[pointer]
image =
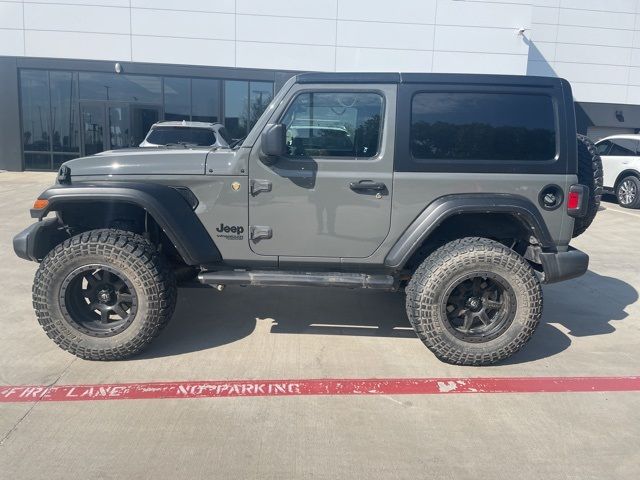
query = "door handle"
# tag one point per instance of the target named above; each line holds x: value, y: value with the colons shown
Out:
x: 367, y: 186
x: 258, y: 186
x: 259, y: 232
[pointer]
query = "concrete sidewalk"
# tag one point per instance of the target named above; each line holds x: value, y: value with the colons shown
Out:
x: 590, y: 328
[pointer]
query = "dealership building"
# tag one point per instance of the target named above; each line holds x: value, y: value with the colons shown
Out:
x: 81, y: 76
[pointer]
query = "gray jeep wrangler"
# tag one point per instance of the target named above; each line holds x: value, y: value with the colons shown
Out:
x: 461, y: 191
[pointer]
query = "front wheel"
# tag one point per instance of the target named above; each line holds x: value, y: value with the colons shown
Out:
x: 104, y: 294
x: 474, y: 302
x: 628, y: 192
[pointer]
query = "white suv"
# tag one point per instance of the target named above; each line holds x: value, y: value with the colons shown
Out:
x: 621, y: 168
x: 196, y: 134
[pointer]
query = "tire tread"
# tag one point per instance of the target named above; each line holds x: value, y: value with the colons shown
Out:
x: 589, y: 174
x: 422, y: 308
x: 158, y: 284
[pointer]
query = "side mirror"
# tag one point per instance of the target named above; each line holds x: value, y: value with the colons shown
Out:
x: 273, y: 141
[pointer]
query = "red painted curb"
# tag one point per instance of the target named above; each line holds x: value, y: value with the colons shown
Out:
x: 268, y: 388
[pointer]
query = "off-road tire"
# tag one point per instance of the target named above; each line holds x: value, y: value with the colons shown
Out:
x: 589, y: 174
x: 428, y: 286
x: 635, y: 203
x: 130, y: 253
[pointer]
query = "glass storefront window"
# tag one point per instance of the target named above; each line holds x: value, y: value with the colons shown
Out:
x: 244, y: 102
x: 68, y: 114
x: 59, y: 159
x: 34, y: 88
x: 125, y: 88
x: 260, y: 95
x: 37, y: 161
x: 177, y: 98
x: 205, y: 100
x: 64, y: 112
x: 236, y: 108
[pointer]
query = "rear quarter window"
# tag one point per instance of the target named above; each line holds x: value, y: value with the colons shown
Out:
x: 623, y: 147
x: 482, y: 126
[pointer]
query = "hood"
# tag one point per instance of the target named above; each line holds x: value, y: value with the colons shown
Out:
x: 150, y: 161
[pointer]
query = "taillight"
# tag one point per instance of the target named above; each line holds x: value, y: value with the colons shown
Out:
x: 573, y: 201
x: 577, y: 200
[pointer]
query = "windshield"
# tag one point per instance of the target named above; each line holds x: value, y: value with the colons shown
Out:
x: 202, y: 137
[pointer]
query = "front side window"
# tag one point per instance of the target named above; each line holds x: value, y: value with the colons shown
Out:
x: 622, y: 147
x: 334, y: 124
x: 482, y: 126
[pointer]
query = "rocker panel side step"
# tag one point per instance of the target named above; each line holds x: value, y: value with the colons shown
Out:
x: 299, y: 279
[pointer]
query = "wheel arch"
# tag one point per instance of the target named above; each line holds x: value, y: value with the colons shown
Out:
x: 439, y: 222
x: 629, y: 172
x: 168, y: 208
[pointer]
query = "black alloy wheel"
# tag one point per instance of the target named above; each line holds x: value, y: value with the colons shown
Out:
x: 98, y: 300
x: 480, y: 306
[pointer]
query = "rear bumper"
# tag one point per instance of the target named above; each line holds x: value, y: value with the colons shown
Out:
x: 564, y: 265
x: 35, y: 241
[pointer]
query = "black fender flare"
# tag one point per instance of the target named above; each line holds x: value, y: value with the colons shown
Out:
x: 165, y: 204
x: 449, y: 205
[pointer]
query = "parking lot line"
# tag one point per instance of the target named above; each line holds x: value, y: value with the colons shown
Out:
x: 617, y: 209
x: 331, y: 387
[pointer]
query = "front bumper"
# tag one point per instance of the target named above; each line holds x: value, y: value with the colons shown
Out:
x: 564, y: 265
x: 35, y: 241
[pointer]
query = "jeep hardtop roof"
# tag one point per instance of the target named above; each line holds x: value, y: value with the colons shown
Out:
x: 393, y: 77
x: 561, y: 87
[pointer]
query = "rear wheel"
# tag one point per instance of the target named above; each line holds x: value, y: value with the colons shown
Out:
x: 474, y: 302
x: 104, y: 294
x: 628, y: 192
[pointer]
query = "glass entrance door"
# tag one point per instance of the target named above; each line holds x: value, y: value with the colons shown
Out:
x: 111, y: 126
x: 142, y: 117
x: 93, y: 122
x: 119, y: 127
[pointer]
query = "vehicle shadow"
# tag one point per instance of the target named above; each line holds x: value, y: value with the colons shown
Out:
x: 203, y: 319
x: 587, y: 305
x: 584, y: 306
x: 206, y: 319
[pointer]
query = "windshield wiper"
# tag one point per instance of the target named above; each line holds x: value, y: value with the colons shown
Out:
x: 237, y: 142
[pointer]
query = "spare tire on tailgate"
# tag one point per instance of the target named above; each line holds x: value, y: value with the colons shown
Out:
x: 590, y: 175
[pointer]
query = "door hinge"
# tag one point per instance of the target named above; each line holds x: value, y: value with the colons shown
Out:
x: 257, y: 186
x: 258, y: 232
